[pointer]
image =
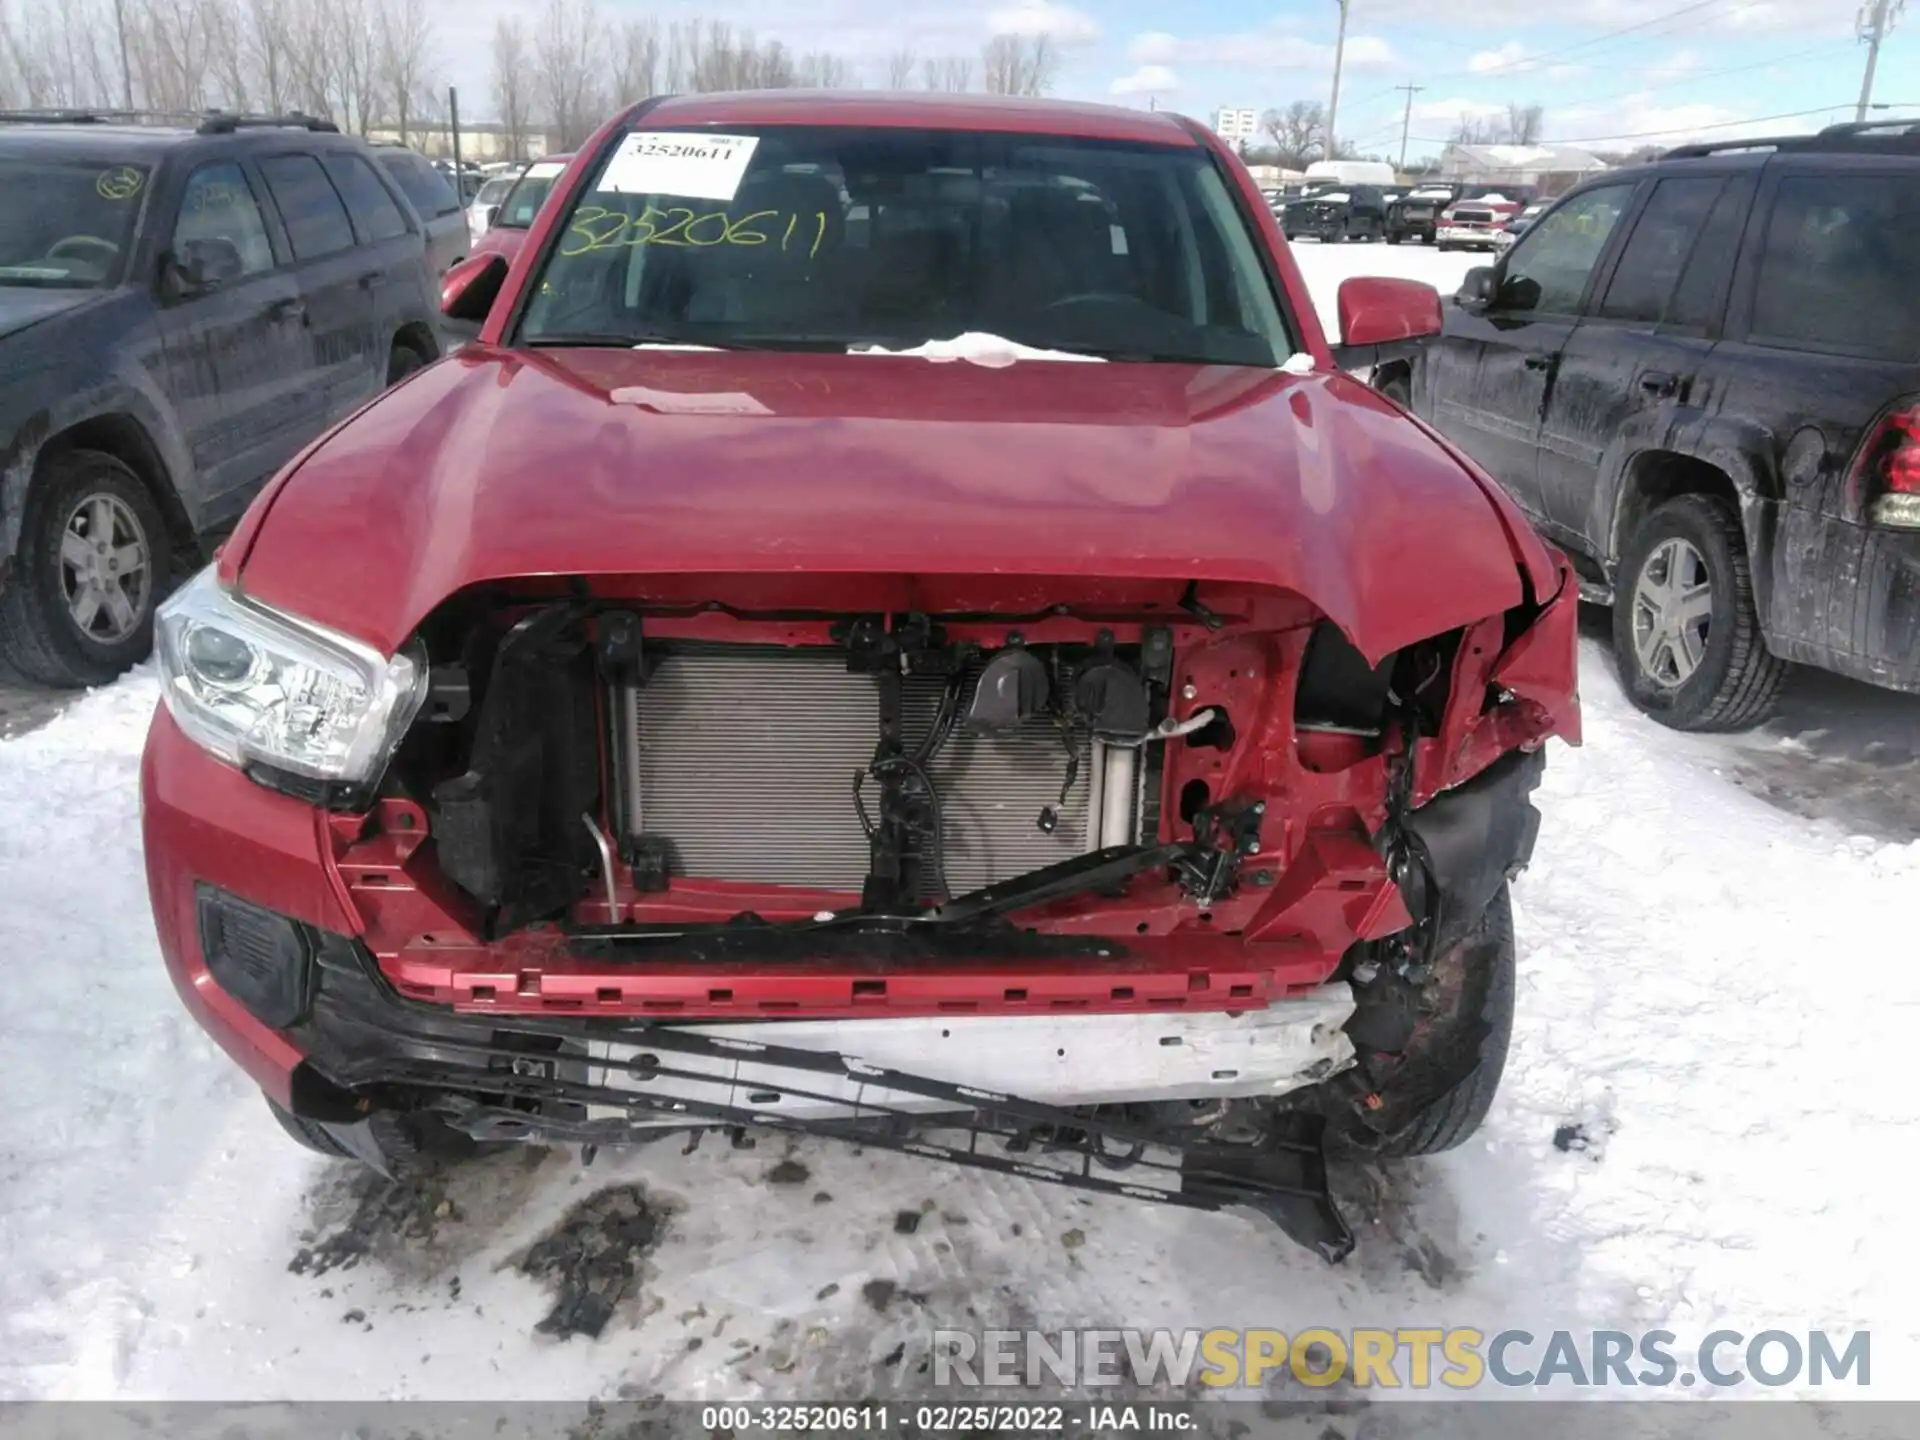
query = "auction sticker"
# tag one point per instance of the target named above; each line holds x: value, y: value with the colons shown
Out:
x: 665, y: 162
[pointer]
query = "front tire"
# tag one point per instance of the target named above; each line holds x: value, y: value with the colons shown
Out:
x: 92, y: 564
x: 1436, y: 1088
x: 1686, y: 633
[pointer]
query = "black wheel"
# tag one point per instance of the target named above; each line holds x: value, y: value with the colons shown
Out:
x: 1685, y: 631
x: 1436, y: 1086
x: 1394, y: 237
x: 92, y: 564
x: 402, y: 361
x: 1397, y: 386
x: 1443, y: 245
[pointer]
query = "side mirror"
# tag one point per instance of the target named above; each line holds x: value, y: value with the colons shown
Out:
x: 1375, y: 311
x: 198, y: 266
x: 468, y: 289
x: 1478, y: 287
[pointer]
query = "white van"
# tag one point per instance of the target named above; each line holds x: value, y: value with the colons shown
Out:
x: 1352, y: 172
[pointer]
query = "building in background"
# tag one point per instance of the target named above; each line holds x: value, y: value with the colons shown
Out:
x: 1236, y: 127
x: 483, y: 142
x: 1549, y: 169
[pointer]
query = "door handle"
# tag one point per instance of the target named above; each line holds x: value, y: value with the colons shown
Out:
x: 1659, y: 383
x: 289, y: 308
x: 1538, y: 362
x: 373, y: 280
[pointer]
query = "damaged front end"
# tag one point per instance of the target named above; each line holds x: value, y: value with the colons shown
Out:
x: 1116, y: 883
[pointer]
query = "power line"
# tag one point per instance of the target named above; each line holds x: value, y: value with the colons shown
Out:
x: 1386, y: 131
x: 1677, y: 129
x: 1523, y: 63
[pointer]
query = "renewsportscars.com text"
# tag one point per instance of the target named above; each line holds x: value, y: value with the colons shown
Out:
x: 1404, y: 1358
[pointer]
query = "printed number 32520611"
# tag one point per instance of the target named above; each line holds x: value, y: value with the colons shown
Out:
x: 595, y: 227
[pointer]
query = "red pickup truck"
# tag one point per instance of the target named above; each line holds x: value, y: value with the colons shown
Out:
x: 899, y: 629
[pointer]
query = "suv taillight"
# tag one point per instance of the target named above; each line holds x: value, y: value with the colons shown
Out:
x: 1886, y: 473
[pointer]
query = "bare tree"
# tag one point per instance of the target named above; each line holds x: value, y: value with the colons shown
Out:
x: 819, y: 70
x: 1524, y: 123
x: 954, y: 74
x: 1298, y: 132
x: 403, y: 56
x: 513, y: 83
x: 1019, y: 64
x: 900, y: 67
x: 567, y: 51
x: 263, y: 25
x: 636, y: 60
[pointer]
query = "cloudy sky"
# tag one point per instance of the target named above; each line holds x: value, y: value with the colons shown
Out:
x: 1606, y: 71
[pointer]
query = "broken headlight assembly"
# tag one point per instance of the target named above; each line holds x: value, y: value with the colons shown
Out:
x: 255, y: 686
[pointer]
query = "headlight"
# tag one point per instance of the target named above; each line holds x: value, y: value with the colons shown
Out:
x: 251, y: 684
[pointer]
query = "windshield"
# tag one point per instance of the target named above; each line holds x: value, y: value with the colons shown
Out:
x: 833, y: 238
x: 523, y: 202
x: 78, y: 226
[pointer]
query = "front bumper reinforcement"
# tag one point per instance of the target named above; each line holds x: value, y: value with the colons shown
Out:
x: 1281, y: 1175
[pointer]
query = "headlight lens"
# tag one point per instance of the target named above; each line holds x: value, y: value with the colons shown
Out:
x: 250, y: 684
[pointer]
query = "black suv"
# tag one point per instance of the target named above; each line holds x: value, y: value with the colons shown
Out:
x: 181, y: 310
x: 1702, y: 378
x: 1414, y: 215
x: 1338, y: 212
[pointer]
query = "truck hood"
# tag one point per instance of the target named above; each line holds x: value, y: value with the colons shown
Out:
x: 25, y: 305
x: 495, y: 464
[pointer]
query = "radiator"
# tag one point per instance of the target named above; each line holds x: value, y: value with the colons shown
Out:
x: 741, y: 761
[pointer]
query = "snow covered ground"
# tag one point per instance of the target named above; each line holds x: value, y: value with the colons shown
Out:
x: 1717, y: 993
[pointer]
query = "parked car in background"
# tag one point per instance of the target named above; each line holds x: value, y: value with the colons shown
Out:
x: 180, y: 311
x: 1195, y: 698
x: 1416, y: 214
x: 434, y: 198
x: 1473, y: 223
x: 487, y: 199
x: 1347, y: 212
x: 509, y: 221
x: 1702, y: 378
x: 1519, y: 225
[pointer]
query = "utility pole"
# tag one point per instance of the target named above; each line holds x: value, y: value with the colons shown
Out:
x: 1339, y: 49
x: 1874, y: 22
x: 1406, y: 119
x: 453, y: 123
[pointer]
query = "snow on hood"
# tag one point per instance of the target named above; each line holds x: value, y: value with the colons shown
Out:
x: 995, y: 351
x: 503, y: 463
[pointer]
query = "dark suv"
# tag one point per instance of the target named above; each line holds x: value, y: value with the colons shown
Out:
x: 1339, y: 212
x: 1702, y: 378
x: 181, y: 310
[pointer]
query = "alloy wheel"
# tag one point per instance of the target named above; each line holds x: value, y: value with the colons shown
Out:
x: 1672, y: 613
x: 106, y: 568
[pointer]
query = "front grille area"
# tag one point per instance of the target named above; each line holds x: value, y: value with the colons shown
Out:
x: 745, y: 758
x: 1473, y: 217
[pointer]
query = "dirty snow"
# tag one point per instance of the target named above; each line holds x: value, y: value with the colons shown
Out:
x: 1716, y: 1004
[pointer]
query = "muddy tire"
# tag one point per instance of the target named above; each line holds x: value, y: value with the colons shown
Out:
x: 1442, y: 1082
x: 1398, y: 387
x: 402, y: 361
x: 78, y: 607
x: 1686, y: 634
